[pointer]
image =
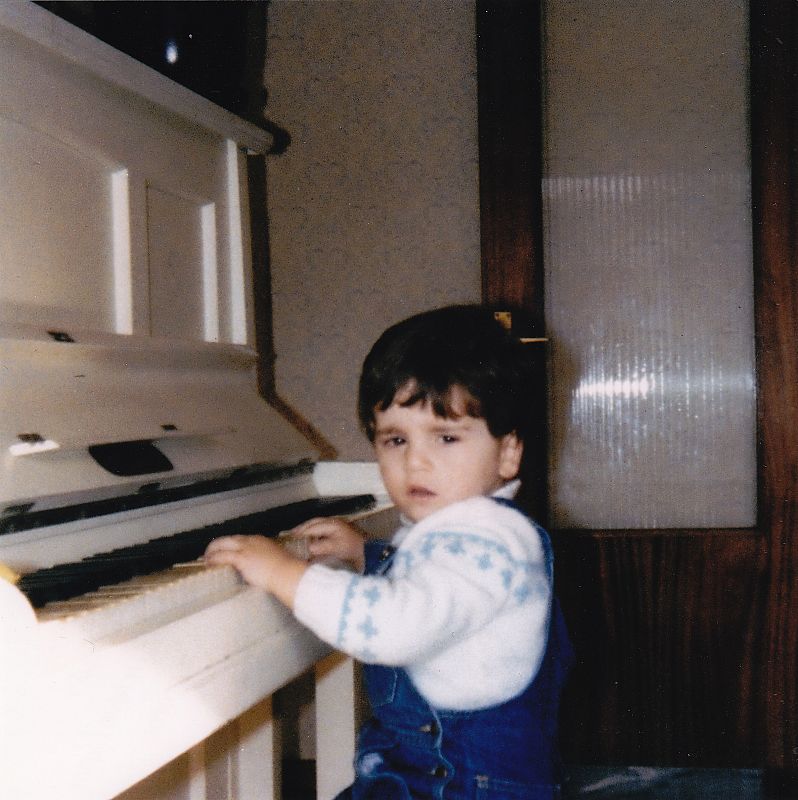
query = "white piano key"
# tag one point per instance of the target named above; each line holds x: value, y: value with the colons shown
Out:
x: 122, y: 611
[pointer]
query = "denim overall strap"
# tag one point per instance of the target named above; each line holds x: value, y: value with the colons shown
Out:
x: 378, y: 556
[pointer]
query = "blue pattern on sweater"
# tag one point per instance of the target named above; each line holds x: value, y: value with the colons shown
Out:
x: 521, y: 580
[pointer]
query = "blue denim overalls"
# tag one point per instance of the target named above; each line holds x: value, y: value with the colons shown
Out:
x: 408, y: 749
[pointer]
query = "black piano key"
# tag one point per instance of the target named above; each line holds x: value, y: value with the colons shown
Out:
x: 65, y: 581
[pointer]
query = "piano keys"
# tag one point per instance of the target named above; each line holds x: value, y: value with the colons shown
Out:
x: 65, y: 581
x: 131, y: 432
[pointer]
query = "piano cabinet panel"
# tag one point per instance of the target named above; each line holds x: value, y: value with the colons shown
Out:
x: 127, y: 709
x: 33, y: 163
x: 94, y: 151
x: 242, y: 760
x: 182, y: 259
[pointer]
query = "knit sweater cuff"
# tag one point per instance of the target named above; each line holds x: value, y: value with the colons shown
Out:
x: 320, y: 590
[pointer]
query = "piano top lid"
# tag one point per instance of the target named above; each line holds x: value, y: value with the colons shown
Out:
x: 58, y: 37
x: 126, y: 301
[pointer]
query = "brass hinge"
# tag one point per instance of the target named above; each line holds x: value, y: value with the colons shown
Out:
x: 505, y: 318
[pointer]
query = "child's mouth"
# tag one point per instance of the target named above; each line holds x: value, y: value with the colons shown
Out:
x: 420, y: 492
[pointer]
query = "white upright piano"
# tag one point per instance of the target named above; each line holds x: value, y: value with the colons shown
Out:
x: 131, y: 430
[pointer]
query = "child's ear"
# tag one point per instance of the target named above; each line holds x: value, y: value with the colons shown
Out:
x: 510, y: 453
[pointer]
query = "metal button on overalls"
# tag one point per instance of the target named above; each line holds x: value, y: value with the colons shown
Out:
x: 430, y: 728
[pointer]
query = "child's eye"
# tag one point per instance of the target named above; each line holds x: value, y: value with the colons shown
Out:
x: 393, y: 441
x: 447, y: 438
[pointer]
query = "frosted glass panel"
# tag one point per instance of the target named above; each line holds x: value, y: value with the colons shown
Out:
x: 648, y: 255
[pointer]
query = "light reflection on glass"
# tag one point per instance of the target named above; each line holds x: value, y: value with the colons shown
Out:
x: 615, y: 387
x: 650, y: 314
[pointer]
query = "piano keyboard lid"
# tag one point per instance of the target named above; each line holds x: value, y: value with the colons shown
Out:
x: 127, y: 356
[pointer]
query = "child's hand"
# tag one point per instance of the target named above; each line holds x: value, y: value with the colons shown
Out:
x: 262, y: 562
x: 332, y: 539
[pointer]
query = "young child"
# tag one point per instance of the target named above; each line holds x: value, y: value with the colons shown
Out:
x: 464, y: 647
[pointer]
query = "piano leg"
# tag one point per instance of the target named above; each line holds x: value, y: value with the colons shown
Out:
x: 197, y: 781
x: 258, y: 755
x: 242, y: 760
x: 337, y: 723
x: 256, y: 752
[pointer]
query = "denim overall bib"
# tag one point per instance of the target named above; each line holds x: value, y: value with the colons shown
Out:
x: 408, y: 749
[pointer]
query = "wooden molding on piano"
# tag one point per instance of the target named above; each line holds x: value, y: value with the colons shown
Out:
x: 327, y: 451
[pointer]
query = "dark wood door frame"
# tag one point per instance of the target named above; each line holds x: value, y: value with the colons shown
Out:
x: 509, y: 101
x: 774, y: 137
x: 688, y: 640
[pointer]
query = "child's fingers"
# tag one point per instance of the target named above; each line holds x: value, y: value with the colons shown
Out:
x: 224, y: 543
x: 219, y: 557
x: 303, y: 526
x: 323, y: 537
x: 325, y: 527
x: 229, y: 549
x: 296, y: 545
x: 321, y: 546
x: 315, y: 526
x: 306, y: 544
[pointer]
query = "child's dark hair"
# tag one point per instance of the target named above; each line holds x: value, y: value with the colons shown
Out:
x: 437, y: 350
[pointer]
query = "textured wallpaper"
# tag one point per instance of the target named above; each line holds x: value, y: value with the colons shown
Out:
x: 374, y: 206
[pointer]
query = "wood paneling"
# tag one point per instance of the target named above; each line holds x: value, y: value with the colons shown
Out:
x: 774, y: 39
x: 668, y: 628
x: 508, y: 69
x: 510, y: 149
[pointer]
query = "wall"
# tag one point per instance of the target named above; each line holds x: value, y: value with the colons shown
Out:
x: 374, y: 206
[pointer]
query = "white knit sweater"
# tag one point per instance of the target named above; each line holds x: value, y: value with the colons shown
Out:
x: 465, y: 607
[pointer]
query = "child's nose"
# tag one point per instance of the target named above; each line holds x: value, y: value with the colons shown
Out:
x: 417, y: 456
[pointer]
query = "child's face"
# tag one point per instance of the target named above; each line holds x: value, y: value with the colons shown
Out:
x: 428, y: 462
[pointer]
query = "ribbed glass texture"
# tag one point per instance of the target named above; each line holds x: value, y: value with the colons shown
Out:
x: 649, y: 297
